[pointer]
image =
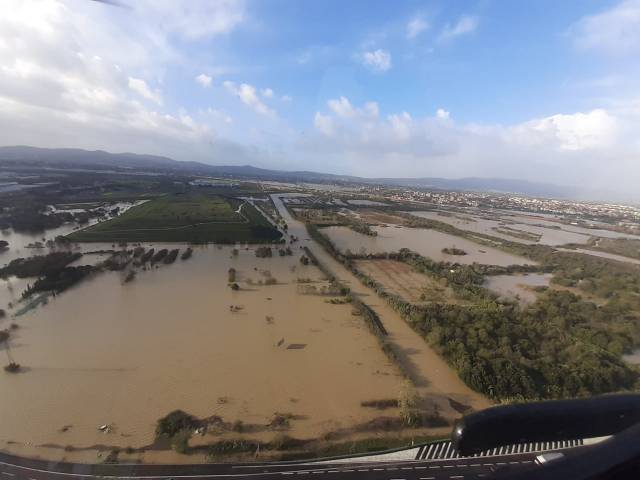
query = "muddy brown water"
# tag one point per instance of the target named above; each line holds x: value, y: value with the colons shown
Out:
x: 426, y: 242
x: 105, y: 352
x: 437, y: 382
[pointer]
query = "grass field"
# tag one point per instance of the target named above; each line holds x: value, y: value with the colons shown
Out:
x: 184, y: 218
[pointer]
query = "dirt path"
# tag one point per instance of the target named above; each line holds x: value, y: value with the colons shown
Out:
x: 435, y: 379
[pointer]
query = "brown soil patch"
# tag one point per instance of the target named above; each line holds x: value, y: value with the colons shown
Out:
x: 373, y: 216
x: 400, y: 279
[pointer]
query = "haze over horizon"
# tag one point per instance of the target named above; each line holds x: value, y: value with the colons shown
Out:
x: 547, y: 93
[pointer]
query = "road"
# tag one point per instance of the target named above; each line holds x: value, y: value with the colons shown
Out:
x: 433, y: 377
x: 17, y: 468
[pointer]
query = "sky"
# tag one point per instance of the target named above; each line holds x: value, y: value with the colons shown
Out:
x: 543, y: 91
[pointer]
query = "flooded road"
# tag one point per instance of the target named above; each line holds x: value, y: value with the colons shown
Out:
x: 426, y: 242
x: 435, y: 379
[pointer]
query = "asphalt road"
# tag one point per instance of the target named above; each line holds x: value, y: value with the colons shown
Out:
x: 18, y: 468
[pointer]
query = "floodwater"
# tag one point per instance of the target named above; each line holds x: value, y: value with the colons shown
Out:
x: 22, y: 244
x: 517, y: 286
x: 576, y: 229
x: 125, y: 355
x: 426, y: 242
x: 481, y: 224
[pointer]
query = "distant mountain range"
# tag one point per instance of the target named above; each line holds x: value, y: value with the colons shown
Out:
x: 23, y: 156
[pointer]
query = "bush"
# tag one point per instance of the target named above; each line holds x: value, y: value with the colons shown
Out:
x: 174, y: 422
x: 180, y: 441
x: 408, y: 402
x: 262, y: 252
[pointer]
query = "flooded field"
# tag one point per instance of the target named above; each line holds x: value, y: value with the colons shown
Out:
x: 424, y: 241
x: 400, y: 279
x: 518, y: 287
x: 498, y: 227
x: 24, y: 244
x: 124, y: 355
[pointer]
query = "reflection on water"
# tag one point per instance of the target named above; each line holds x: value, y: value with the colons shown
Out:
x: 105, y: 352
x: 424, y: 241
x: 517, y: 286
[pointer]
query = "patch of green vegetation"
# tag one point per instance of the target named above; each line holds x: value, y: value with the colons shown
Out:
x: 453, y: 251
x: 517, y: 233
x: 368, y: 445
x: 39, y: 265
x: 184, y: 217
x: 175, y: 422
x: 627, y: 247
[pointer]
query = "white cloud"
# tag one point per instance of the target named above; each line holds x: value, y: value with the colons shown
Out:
x: 204, y: 80
x: 249, y: 96
x: 593, y: 147
x: 416, y: 26
x: 323, y: 123
x: 219, y: 115
x: 613, y: 31
x: 465, y: 25
x: 267, y: 93
x: 442, y: 114
x: 139, y: 86
x: 286, y: 98
x: 578, y: 131
x: 401, y: 125
x: 372, y: 109
x: 78, y: 75
x: 342, y: 107
x: 378, y: 60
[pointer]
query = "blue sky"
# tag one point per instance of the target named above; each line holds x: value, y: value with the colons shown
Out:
x: 542, y: 90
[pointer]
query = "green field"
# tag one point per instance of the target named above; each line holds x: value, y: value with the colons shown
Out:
x: 181, y: 217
